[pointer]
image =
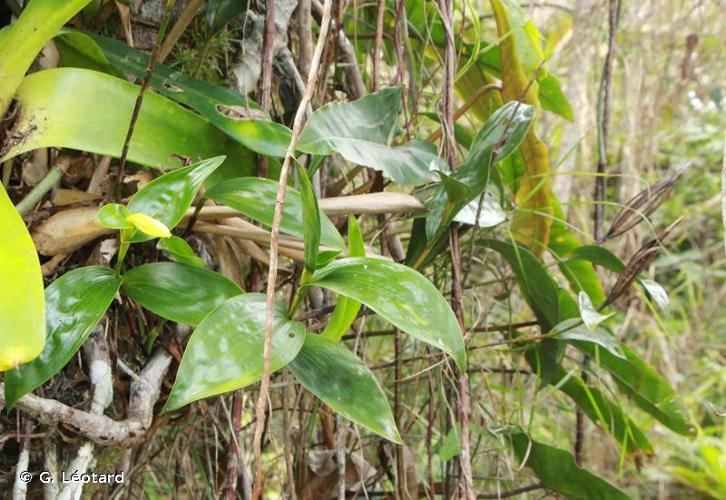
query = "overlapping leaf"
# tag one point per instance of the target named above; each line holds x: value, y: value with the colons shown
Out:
x: 75, y: 303
x: 225, y: 352
x: 343, y: 382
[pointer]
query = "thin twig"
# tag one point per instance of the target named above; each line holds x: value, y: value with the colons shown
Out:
x: 275, y: 234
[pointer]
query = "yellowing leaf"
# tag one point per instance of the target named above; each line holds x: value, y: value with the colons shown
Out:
x: 148, y: 225
x: 22, y: 304
x: 533, y: 219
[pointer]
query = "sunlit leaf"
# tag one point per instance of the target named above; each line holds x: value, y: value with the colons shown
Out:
x: 361, y: 131
x: 343, y: 382
x: 400, y: 295
x: 90, y: 111
x: 149, y: 226
x: 39, y: 21
x: 114, y: 216
x: 75, y: 303
x: 656, y: 293
x: 179, y: 292
x: 256, y: 198
x: 225, y: 351
x: 22, y: 329
x: 346, y: 310
x: 573, y: 329
x: 168, y: 197
x: 588, y: 313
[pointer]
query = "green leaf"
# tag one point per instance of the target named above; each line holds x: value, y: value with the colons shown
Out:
x: 639, y: 381
x: 178, y: 292
x: 361, y: 131
x: 558, y: 471
x: 444, y: 204
x: 535, y: 282
x: 597, y: 255
x: 552, y: 98
x: 346, y: 310
x: 225, y: 351
x: 240, y: 118
x: 656, y: 293
x: 256, y: 198
x: 22, y: 330
x: 38, y: 22
x: 572, y: 329
x: 114, y: 216
x: 180, y: 251
x: 168, y: 197
x: 311, y: 219
x: 75, y: 303
x: 400, y: 295
x: 588, y: 313
x: 149, y: 226
x: 90, y: 111
x: 220, y: 12
x: 343, y: 382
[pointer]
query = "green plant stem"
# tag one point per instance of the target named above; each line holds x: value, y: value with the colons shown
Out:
x: 46, y: 184
x: 301, y: 291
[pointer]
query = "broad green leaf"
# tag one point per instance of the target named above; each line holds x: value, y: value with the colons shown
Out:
x: 535, y: 282
x: 361, y: 131
x: 597, y: 255
x: 442, y: 203
x: 75, y: 303
x: 490, y: 212
x: 573, y: 329
x: 639, y: 381
x: 180, y: 251
x: 39, y: 21
x: 343, y: 382
x: 450, y: 445
x: 178, y: 292
x: 22, y: 330
x: 151, y: 227
x: 114, y: 216
x: 255, y: 198
x: 558, y: 471
x: 168, y: 197
x: 346, y: 310
x: 225, y: 351
x: 220, y: 12
x: 400, y: 295
x: 552, y: 98
x: 91, y: 111
x: 311, y: 219
x: 588, y: 313
x: 240, y: 118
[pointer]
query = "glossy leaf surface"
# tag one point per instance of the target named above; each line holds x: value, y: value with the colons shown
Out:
x: 400, y: 295
x: 75, y: 303
x: 225, y: 351
x: 361, y: 131
x: 240, y: 118
x: 256, y: 198
x: 180, y: 251
x: 573, y: 329
x: 90, y: 111
x: 343, y: 382
x: 22, y: 329
x: 39, y: 21
x: 558, y: 471
x: 168, y: 197
x: 178, y: 292
x: 114, y: 216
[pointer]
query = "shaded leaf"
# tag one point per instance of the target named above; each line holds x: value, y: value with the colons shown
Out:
x: 220, y: 12
x: 361, y: 131
x: 178, y: 292
x: 311, y: 219
x: 180, y: 251
x: 91, y: 111
x: 256, y: 198
x: 225, y: 352
x: 343, y: 382
x: 558, y: 471
x: 656, y: 293
x: 75, y: 303
x: 22, y: 330
x: 400, y: 295
x: 572, y: 329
